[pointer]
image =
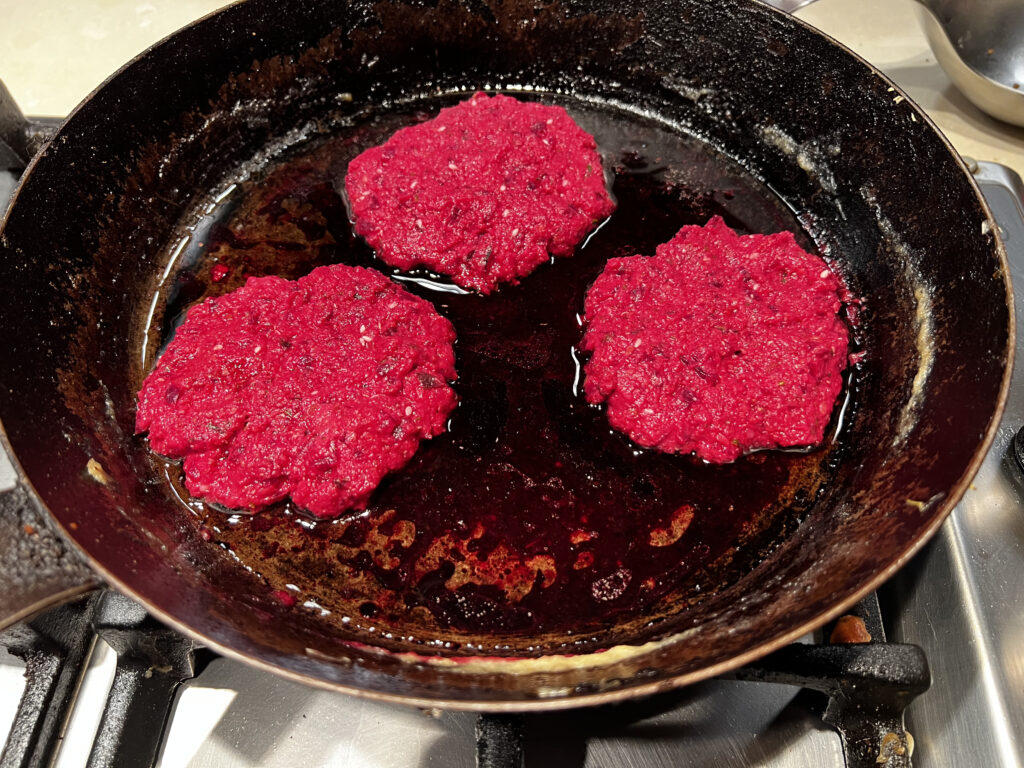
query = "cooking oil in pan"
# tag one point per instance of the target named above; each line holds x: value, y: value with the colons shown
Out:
x: 530, y: 523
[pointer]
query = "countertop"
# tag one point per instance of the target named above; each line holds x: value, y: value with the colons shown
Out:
x: 53, y: 53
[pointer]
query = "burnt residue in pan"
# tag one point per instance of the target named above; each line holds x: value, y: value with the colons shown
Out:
x: 530, y: 518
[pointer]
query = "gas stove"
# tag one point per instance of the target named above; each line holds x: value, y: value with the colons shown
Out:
x: 961, y: 601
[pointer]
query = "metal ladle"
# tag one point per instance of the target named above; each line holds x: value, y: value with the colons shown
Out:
x: 980, y: 45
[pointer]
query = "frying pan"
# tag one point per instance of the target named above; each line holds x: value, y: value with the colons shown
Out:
x: 832, y: 148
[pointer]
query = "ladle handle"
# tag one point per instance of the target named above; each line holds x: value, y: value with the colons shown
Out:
x: 38, y: 567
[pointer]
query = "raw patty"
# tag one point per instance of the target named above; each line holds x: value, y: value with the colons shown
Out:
x: 314, y: 388
x: 719, y: 344
x: 484, y: 192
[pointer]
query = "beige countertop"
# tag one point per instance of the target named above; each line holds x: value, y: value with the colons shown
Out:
x: 54, y: 52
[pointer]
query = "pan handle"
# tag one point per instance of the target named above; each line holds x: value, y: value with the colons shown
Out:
x: 38, y: 567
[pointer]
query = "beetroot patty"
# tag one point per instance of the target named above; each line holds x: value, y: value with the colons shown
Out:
x: 484, y: 192
x: 719, y: 344
x: 314, y: 388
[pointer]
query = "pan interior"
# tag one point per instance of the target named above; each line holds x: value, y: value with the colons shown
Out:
x: 530, y: 525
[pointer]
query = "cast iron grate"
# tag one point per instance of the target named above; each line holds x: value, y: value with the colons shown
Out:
x: 868, y: 687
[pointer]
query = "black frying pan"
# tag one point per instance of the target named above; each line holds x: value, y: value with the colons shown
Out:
x: 701, y: 108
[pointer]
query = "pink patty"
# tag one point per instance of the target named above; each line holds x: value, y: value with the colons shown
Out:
x: 484, y: 192
x: 719, y: 344
x: 314, y: 388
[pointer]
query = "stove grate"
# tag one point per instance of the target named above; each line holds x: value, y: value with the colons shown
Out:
x: 868, y: 684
